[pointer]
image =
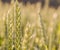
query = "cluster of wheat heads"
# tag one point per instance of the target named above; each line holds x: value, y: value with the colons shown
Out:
x: 12, y: 31
x: 29, y: 36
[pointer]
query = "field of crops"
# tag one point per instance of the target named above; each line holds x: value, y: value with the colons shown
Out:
x: 29, y: 27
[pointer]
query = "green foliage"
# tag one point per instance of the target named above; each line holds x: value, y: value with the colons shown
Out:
x: 1, y: 40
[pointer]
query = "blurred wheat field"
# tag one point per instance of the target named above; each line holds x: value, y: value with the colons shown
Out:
x: 29, y: 27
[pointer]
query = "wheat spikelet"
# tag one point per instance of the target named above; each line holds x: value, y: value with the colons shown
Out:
x: 18, y: 27
x: 29, y: 36
x: 10, y: 32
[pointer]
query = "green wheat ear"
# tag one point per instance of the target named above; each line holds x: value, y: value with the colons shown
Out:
x: 9, y: 26
x: 10, y: 31
x: 17, y: 27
